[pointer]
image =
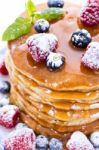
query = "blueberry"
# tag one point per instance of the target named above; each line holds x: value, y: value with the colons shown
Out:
x: 55, y: 61
x: 55, y: 144
x: 55, y: 3
x: 41, y: 26
x: 41, y: 142
x: 81, y: 38
x: 4, y: 87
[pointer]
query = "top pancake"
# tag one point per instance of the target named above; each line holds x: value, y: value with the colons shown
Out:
x: 74, y: 76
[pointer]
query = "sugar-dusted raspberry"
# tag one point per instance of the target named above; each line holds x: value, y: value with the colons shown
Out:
x: 40, y: 45
x: 91, y: 56
x: 79, y: 141
x: 21, y: 139
x: 90, y: 13
x: 9, y: 116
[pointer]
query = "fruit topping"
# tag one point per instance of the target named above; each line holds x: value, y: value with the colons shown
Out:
x: 40, y: 45
x: 20, y: 126
x: 21, y: 139
x: 4, y: 100
x: 79, y: 141
x: 4, y: 87
x: 41, y: 26
x: 91, y: 56
x: 55, y: 3
x: 3, y: 69
x: 55, y: 61
x: 94, y: 138
x: 81, y: 38
x: 90, y: 13
x: 55, y: 144
x: 9, y: 116
x: 42, y: 142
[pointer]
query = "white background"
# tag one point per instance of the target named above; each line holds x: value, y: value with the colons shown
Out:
x: 10, y: 9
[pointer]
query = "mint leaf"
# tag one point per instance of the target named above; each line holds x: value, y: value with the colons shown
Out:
x: 49, y: 14
x: 30, y: 7
x: 20, y: 27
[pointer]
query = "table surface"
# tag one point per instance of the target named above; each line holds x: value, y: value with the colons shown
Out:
x: 10, y: 9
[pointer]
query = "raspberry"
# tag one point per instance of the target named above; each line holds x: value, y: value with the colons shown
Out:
x: 79, y: 141
x: 40, y: 45
x: 91, y: 57
x: 21, y: 139
x: 9, y: 116
x: 3, y: 69
x: 90, y: 13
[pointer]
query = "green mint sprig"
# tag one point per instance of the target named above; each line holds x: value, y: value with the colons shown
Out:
x: 22, y: 26
x: 50, y: 14
x: 30, y: 7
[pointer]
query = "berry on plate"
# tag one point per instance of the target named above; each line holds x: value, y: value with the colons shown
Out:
x: 9, y: 116
x: 40, y: 45
x: 91, y: 56
x: 79, y: 141
x: 20, y: 126
x: 4, y: 87
x: 90, y: 13
x: 4, y: 100
x: 41, y: 25
x: 3, y: 69
x: 55, y: 3
x: 42, y: 142
x: 22, y: 139
x: 55, y: 144
x: 55, y: 61
x: 81, y: 38
x: 94, y: 138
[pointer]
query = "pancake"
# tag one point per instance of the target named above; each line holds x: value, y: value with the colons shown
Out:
x: 55, y: 103
x: 74, y: 76
x: 60, y: 128
x: 50, y: 95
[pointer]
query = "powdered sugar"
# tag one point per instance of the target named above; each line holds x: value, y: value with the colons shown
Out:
x: 40, y: 45
x: 9, y: 115
x: 90, y: 13
x: 94, y: 138
x: 91, y: 57
x: 41, y: 25
x: 79, y: 141
x: 4, y: 100
x: 21, y: 139
x: 55, y: 61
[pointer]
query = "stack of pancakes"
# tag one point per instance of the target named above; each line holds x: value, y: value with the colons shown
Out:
x: 60, y: 102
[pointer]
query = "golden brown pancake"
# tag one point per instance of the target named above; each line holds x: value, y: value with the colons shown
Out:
x: 73, y: 76
x: 55, y: 103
